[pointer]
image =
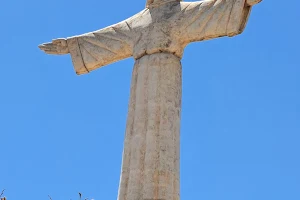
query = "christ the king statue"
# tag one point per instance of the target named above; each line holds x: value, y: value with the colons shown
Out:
x: 155, y: 37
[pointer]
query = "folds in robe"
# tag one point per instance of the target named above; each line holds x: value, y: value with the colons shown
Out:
x: 93, y: 50
x: 212, y: 18
x: 166, y: 28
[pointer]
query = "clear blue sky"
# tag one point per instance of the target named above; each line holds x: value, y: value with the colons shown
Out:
x: 61, y: 133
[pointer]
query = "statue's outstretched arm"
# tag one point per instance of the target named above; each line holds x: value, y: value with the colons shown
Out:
x: 95, y: 49
x: 214, y: 18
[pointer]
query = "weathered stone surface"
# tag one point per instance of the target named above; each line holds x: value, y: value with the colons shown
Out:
x: 150, y: 167
x: 155, y: 37
x: 164, y: 26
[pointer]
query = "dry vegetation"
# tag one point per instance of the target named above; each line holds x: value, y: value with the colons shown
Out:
x: 80, y: 197
x: 2, y: 198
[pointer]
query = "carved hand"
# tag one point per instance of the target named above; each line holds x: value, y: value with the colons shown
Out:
x: 57, y: 46
x: 253, y: 2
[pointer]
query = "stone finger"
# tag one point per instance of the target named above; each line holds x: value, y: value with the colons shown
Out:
x: 47, y: 45
x: 48, y: 48
x: 51, y: 52
x: 42, y: 47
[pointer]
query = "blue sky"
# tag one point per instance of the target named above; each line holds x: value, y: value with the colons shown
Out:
x: 61, y: 134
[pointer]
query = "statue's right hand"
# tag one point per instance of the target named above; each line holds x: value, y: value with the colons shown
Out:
x: 57, y: 46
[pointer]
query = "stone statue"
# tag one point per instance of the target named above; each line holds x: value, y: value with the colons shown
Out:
x: 155, y: 37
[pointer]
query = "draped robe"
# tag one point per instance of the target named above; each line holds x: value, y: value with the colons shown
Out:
x: 168, y: 28
x: 155, y: 37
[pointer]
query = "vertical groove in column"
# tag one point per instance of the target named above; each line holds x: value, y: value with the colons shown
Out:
x: 138, y: 138
x: 161, y: 124
x: 153, y: 120
x: 157, y: 143
x: 168, y: 126
x: 176, y: 186
x: 145, y: 131
x: 170, y: 102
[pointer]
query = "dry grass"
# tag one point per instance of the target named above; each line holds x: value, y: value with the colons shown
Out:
x: 2, y: 198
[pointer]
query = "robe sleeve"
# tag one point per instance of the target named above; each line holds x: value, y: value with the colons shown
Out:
x: 96, y: 49
x: 213, y: 18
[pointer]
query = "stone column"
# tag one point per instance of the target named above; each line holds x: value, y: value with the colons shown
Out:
x: 150, y: 166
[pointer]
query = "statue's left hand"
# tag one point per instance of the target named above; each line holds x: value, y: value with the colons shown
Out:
x: 253, y: 2
x: 57, y: 46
